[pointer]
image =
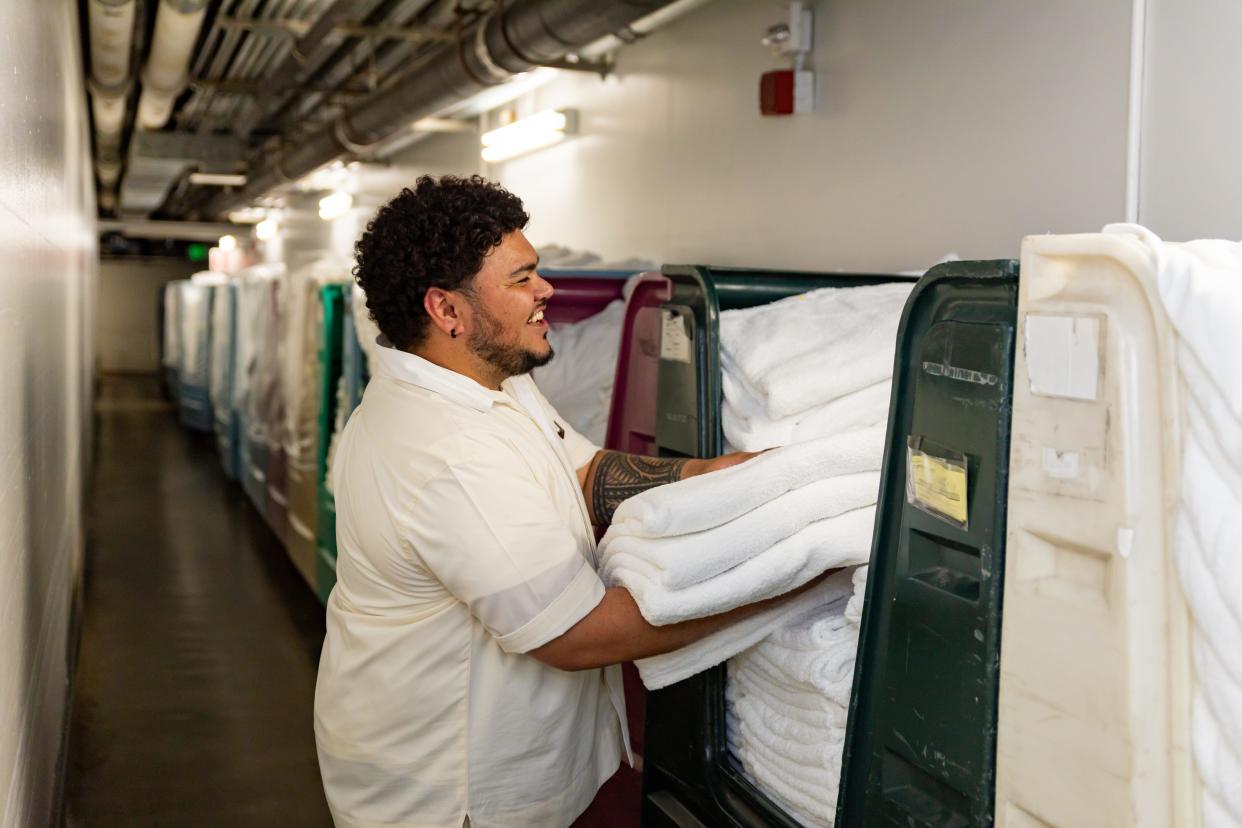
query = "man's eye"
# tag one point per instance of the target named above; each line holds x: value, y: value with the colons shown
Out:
x: 522, y: 281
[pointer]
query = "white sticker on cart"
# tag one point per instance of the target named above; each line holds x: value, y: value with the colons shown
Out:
x: 675, y: 343
x: 1063, y: 356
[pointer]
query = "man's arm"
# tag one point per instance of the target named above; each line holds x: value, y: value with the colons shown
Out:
x: 615, y: 631
x: 614, y: 476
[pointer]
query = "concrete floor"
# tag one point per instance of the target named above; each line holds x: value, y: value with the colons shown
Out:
x: 199, y: 640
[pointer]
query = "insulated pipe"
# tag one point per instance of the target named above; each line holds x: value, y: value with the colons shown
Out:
x: 111, y: 25
x: 177, y: 23
x: 511, y: 40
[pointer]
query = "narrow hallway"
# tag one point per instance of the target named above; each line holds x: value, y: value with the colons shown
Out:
x: 199, y: 640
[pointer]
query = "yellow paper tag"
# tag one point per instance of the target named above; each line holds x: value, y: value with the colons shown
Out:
x: 939, y: 485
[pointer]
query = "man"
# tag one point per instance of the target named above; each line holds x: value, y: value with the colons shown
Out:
x: 469, y: 674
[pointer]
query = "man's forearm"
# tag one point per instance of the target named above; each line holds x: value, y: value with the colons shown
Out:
x: 614, y: 476
x: 615, y: 631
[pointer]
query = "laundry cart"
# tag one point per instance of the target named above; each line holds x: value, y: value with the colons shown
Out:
x: 194, y: 351
x: 920, y: 747
x: 689, y: 776
x: 257, y: 374
x: 352, y: 371
x: 226, y: 418
x: 170, y: 349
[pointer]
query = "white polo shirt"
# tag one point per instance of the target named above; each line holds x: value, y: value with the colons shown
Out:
x: 464, y: 542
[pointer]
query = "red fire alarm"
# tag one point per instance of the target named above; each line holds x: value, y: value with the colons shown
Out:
x: 786, y: 92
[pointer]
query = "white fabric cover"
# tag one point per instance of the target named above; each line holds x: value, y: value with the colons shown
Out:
x: 1200, y: 285
x: 580, y: 377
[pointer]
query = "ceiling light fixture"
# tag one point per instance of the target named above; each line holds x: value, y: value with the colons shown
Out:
x: 529, y: 134
x: 217, y: 179
x: 335, y: 205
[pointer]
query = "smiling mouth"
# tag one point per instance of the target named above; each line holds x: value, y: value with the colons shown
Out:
x: 535, y: 318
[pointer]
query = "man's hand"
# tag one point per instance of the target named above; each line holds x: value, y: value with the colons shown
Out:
x: 697, y: 467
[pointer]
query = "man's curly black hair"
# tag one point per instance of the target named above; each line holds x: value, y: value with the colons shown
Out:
x: 435, y: 235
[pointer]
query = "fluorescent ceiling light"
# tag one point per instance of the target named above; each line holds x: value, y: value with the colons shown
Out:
x: 266, y: 229
x: 228, y: 243
x: 529, y: 134
x: 335, y: 205
x: 247, y: 215
x: 217, y: 179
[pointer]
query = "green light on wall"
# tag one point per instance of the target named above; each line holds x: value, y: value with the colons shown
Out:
x: 196, y: 252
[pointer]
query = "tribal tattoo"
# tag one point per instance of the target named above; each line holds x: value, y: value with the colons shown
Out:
x: 616, y: 476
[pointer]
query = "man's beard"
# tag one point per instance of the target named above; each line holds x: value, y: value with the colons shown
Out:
x: 508, y: 360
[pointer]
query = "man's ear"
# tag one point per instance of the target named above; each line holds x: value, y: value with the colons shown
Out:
x: 442, y: 306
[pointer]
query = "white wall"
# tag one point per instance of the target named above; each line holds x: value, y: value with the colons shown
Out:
x: 47, y: 237
x: 955, y: 125
x: 1191, y: 171
x: 130, y: 291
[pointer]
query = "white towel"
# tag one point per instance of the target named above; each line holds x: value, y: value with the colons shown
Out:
x: 843, y: 540
x: 853, y: 610
x: 684, y: 560
x: 806, y: 350
x: 1200, y: 286
x: 753, y: 431
x: 669, y: 668
x: 710, y: 500
x: 800, y: 704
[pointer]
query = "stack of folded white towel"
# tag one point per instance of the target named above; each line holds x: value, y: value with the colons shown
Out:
x: 759, y: 529
x: 812, y: 365
x: 1200, y: 285
x: 788, y: 702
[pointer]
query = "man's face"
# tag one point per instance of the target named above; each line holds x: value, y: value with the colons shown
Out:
x: 507, y: 298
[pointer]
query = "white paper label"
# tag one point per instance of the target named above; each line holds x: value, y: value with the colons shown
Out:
x: 1063, y: 356
x: 674, y: 343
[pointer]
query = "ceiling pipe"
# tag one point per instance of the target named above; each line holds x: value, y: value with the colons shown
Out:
x: 111, y: 25
x: 514, y: 38
x: 177, y: 24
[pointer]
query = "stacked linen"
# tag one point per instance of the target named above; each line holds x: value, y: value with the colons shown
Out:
x: 1200, y: 285
x: 808, y: 366
x: 711, y: 543
x: 788, y: 704
x: 579, y: 379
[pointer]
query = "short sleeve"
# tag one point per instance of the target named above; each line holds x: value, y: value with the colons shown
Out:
x: 488, y: 531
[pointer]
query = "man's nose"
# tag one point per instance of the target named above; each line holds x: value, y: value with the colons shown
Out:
x: 543, y: 289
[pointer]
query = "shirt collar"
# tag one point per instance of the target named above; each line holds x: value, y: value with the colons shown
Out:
x: 411, y: 368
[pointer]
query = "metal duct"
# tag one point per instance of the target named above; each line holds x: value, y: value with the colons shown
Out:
x: 514, y: 39
x: 177, y: 23
x: 158, y: 159
x: 112, y: 35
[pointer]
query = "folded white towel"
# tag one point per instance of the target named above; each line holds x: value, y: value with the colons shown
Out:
x: 669, y: 668
x: 710, y: 500
x: 840, y: 541
x: 796, y: 703
x: 780, y: 348
x: 684, y: 560
x: 853, y: 610
x: 752, y: 430
x: 1219, y: 765
x: 811, y: 789
x: 769, y: 716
